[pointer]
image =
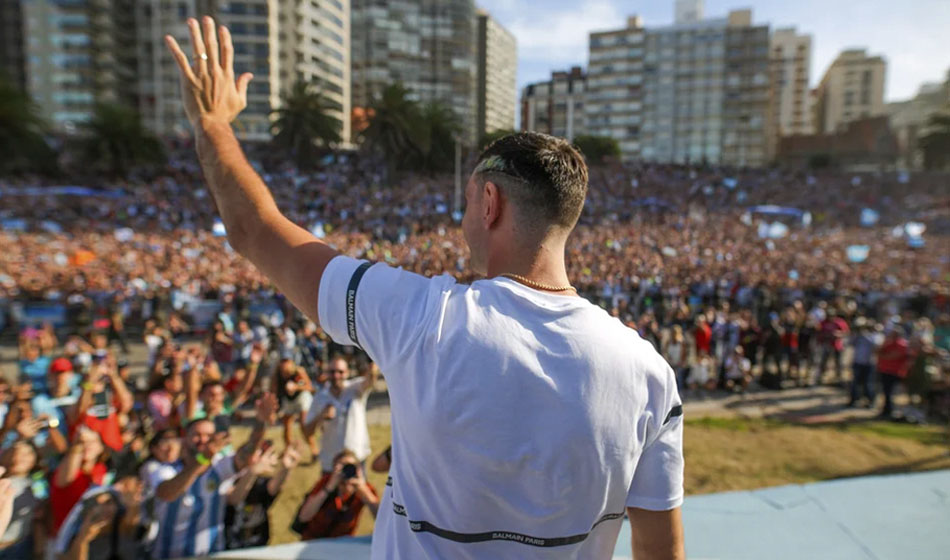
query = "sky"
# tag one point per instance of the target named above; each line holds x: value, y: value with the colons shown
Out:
x: 912, y: 35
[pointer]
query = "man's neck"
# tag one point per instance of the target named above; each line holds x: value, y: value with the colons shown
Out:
x: 543, y: 265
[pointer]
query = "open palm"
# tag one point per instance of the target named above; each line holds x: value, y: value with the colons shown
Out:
x: 208, y: 87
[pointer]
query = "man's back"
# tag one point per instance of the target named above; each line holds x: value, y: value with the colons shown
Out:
x: 519, y: 417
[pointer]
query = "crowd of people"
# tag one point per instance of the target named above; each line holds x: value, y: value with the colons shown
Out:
x: 108, y: 459
x: 104, y: 458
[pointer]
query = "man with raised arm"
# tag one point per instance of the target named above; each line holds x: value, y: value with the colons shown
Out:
x: 526, y: 421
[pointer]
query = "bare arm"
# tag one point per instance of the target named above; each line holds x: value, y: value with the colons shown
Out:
x: 286, y: 253
x: 123, y: 395
x: 370, y: 380
x: 244, y: 390
x: 241, y: 488
x: 68, y: 470
x: 657, y: 535
x: 175, y: 487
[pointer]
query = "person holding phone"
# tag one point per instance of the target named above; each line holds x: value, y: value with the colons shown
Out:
x: 333, y: 506
x: 83, y: 466
x: 104, y: 397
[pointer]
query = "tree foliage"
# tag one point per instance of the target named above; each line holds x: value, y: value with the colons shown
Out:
x: 597, y: 148
x: 115, y: 140
x: 408, y: 135
x: 935, y: 143
x: 304, y: 124
x: 22, y: 141
x: 490, y: 137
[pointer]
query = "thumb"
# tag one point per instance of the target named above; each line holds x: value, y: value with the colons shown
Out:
x: 242, y: 82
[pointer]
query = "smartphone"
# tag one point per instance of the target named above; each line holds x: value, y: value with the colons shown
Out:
x: 222, y: 423
x: 349, y: 471
x: 100, y: 399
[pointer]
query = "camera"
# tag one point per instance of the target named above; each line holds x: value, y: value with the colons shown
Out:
x: 349, y: 471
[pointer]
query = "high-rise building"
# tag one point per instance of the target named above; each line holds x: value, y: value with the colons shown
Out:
x: 429, y: 46
x: 706, y: 93
x: 851, y: 89
x: 313, y: 40
x: 496, y: 85
x: 279, y: 42
x: 556, y: 106
x: 910, y: 119
x: 688, y: 11
x: 615, y: 85
x: 12, y: 60
x: 791, y: 72
x: 77, y: 54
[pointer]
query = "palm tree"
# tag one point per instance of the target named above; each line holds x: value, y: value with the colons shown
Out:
x: 115, y: 140
x: 392, y: 133
x: 304, y: 124
x: 936, y: 142
x: 21, y: 134
x: 490, y: 137
x: 435, y: 136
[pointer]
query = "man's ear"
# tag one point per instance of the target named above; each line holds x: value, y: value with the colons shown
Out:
x: 491, y: 204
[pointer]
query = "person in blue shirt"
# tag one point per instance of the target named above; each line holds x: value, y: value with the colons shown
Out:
x: 33, y: 367
x: 57, y: 401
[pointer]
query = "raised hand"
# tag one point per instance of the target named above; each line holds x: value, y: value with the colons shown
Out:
x: 208, y: 86
x: 291, y: 457
x: 266, y: 408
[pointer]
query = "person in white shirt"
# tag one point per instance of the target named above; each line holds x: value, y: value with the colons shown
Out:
x: 526, y: 421
x: 340, y: 408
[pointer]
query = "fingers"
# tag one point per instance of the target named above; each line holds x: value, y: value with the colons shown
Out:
x: 242, y: 83
x: 227, y: 51
x: 211, y: 42
x: 198, y: 48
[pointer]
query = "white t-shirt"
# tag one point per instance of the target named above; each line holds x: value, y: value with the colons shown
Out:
x: 348, y: 428
x: 524, y: 423
x: 193, y: 525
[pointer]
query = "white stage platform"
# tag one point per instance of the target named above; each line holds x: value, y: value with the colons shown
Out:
x: 877, y: 517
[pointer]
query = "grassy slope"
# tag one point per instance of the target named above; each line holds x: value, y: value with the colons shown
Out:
x: 721, y: 454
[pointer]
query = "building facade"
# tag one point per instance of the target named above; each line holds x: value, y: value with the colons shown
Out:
x: 12, y: 59
x: 496, y: 85
x: 909, y: 120
x: 707, y: 93
x: 279, y: 41
x: 615, y: 81
x: 791, y: 75
x: 851, y: 89
x: 77, y: 54
x: 313, y: 45
x: 429, y: 46
x: 556, y: 106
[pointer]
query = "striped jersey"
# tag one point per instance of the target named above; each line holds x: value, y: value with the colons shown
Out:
x: 192, y: 525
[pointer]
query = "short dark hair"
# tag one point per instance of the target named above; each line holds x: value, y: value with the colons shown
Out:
x: 544, y: 176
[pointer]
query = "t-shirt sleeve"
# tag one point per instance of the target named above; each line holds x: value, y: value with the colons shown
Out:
x: 658, y: 479
x: 377, y: 307
x: 224, y: 466
x: 159, y: 475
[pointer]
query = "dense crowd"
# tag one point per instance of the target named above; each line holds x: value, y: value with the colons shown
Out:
x: 104, y: 459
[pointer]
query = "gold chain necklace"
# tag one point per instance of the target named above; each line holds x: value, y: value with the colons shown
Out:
x: 538, y: 285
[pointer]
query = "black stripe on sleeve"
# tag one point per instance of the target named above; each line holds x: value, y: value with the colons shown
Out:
x: 351, y: 302
x: 674, y: 412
